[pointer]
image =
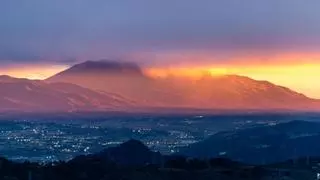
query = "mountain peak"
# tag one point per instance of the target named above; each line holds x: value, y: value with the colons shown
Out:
x: 105, y: 66
x: 133, y: 143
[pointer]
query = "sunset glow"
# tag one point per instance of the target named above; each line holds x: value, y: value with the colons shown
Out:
x: 32, y: 72
x: 297, y: 71
x: 301, y: 78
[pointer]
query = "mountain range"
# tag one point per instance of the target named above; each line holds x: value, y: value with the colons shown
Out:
x: 121, y: 86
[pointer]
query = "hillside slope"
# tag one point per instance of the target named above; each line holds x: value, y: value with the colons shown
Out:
x: 30, y: 95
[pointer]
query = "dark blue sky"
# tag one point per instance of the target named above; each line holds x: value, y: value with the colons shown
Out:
x: 61, y: 31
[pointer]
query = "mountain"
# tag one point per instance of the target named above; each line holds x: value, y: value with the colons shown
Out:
x: 208, y: 92
x: 107, y: 76
x: 123, y: 78
x: 267, y: 144
x: 32, y: 95
x: 240, y: 92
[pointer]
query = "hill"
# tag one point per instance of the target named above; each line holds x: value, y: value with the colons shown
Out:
x: 260, y: 145
x: 132, y: 152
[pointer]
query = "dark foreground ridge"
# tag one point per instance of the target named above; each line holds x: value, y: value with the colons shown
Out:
x: 132, y: 160
x: 261, y: 145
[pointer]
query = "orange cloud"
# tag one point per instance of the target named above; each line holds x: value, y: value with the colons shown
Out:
x: 299, y: 71
x: 303, y: 78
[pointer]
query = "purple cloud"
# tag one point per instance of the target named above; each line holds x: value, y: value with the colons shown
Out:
x: 61, y: 30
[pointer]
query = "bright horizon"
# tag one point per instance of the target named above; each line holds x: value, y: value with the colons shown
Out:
x: 301, y: 78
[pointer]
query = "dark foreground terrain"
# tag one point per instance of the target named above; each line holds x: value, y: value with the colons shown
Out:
x: 133, y: 160
x: 261, y: 145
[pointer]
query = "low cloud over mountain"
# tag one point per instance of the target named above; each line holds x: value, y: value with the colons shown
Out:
x: 208, y: 92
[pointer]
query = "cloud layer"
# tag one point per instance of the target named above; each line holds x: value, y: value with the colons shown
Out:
x: 59, y: 30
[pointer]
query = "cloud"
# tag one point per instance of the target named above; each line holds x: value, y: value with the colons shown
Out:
x: 17, y: 56
x: 37, y: 30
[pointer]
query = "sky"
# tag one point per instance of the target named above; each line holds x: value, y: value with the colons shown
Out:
x: 275, y: 40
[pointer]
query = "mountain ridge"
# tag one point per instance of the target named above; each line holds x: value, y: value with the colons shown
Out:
x: 113, y: 86
x: 38, y: 96
x: 218, y: 92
